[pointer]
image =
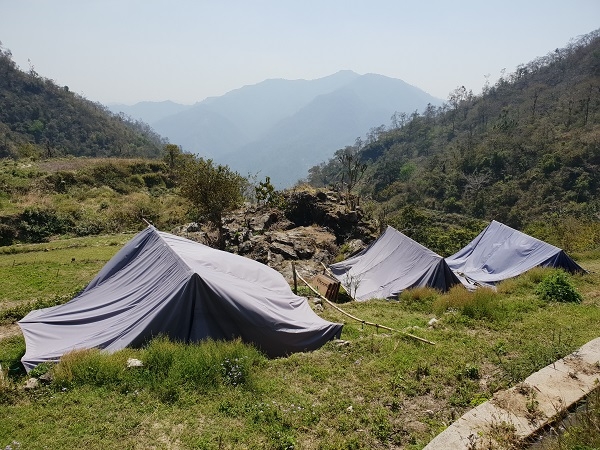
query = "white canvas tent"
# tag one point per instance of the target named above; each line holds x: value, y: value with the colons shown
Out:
x: 159, y: 283
x: 500, y: 252
x: 391, y: 264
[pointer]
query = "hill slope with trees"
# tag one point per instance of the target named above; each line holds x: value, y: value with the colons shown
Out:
x: 525, y: 152
x: 40, y: 118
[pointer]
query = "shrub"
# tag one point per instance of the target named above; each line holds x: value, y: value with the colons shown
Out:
x: 130, y: 213
x: 8, y: 234
x: 136, y: 181
x: 152, y: 180
x: 90, y: 225
x: 524, y: 282
x: 37, y: 224
x: 557, y: 287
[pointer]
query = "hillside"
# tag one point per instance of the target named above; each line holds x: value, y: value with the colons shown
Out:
x: 39, y: 118
x: 84, y: 196
x: 525, y: 152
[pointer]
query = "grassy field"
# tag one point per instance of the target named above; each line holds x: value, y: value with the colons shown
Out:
x: 373, y: 390
x: 39, y: 271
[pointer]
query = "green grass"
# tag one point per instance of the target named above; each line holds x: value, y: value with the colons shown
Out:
x: 37, y: 271
x: 381, y: 390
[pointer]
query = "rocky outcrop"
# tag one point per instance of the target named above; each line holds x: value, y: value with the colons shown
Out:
x: 325, y: 208
x: 309, y: 230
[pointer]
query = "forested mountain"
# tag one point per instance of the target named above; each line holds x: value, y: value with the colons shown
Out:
x: 527, y: 149
x: 37, y: 117
x: 280, y: 128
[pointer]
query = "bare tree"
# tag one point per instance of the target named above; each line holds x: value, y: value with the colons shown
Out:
x: 353, y: 170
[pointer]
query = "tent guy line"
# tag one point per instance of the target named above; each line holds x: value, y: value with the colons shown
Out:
x: 364, y: 322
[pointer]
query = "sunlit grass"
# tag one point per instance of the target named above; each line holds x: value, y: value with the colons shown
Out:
x: 38, y: 271
x: 374, y: 389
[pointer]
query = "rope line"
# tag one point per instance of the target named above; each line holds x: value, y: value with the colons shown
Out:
x: 364, y: 322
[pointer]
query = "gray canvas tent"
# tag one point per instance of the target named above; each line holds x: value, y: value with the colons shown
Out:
x: 500, y: 252
x: 391, y: 264
x: 159, y: 283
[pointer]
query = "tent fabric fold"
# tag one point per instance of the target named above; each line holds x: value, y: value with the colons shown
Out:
x: 162, y: 284
x: 500, y: 252
x: 391, y: 264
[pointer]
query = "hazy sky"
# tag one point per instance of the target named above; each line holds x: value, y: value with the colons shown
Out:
x: 127, y: 51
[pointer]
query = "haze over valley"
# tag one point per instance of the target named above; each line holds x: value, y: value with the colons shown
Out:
x: 281, y: 128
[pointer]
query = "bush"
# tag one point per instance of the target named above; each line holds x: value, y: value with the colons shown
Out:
x: 38, y: 224
x: 152, y: 180
x: 525, y: 282
x: 8, y: 234
x: 557, y: 287
x: 136, y: 181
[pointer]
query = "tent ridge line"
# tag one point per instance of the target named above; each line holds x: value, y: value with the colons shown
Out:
x: 173, y: 252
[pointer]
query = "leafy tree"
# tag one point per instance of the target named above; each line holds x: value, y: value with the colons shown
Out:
x: 176, y: 159
x: 212, y: 189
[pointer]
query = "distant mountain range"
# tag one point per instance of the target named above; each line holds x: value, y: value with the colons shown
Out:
x: 280, y: 128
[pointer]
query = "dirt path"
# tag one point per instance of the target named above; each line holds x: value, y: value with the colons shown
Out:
x: 7, y: 331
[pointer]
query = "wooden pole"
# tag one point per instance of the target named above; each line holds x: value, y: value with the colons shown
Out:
x: 364, y: 322
x: 326, y: 269
x: 295, y: 279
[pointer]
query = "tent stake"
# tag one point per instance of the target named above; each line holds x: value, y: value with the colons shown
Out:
x: 364, y: 322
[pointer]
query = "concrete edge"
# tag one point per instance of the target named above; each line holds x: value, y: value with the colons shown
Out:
x: 525, y: 409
